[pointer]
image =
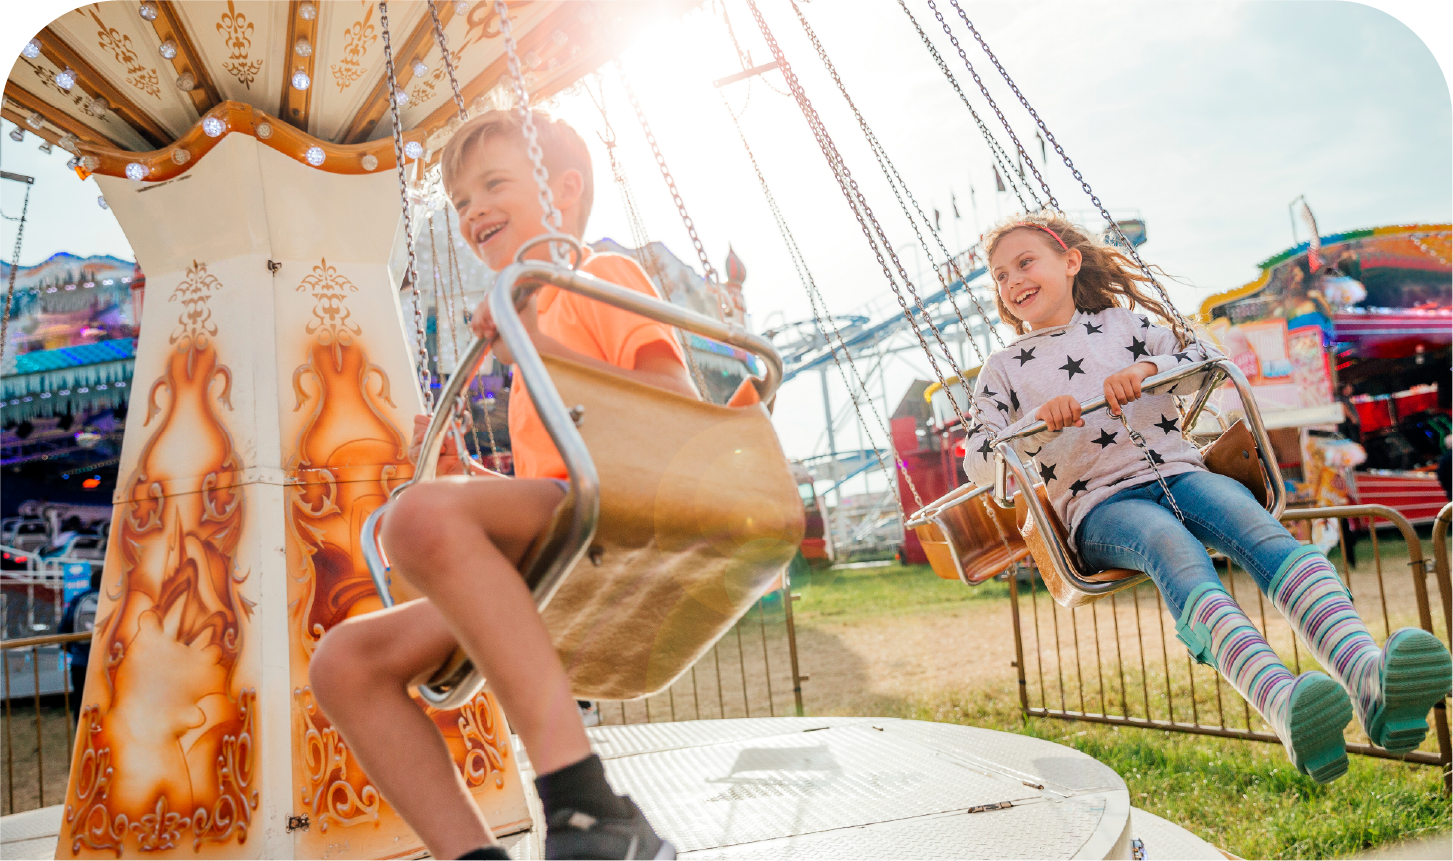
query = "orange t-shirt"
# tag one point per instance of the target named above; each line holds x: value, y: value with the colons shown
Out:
x: 605, y: 332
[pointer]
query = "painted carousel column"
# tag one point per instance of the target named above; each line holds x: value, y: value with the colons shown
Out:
x: 272, y: 396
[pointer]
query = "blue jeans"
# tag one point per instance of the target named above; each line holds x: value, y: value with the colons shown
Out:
x: 1137, y: 529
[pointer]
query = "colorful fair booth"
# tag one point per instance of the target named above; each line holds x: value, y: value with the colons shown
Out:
x: 1345, y: 340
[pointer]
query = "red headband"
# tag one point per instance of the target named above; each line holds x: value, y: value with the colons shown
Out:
x: 1045, y: 229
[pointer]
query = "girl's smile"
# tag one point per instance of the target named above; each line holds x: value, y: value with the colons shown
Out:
x: 1035, y: 280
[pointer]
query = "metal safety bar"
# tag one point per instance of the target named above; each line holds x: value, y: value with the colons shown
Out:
x: 1216, y: 370
x: 954, y: 498
x: 513, y: 287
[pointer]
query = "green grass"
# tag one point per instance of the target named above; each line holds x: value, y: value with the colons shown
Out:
x: 847, y: 594
x: 1245, y: 797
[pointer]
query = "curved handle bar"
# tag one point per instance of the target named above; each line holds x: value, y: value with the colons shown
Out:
x: 513, y: 284
x: 1216, y: 370
x: 952, y: 499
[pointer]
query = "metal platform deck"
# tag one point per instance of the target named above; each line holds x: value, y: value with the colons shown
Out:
x: 801, y: 788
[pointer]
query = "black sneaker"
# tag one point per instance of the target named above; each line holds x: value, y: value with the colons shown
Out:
x: 573, y: 834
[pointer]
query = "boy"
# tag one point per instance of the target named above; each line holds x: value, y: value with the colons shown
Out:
x: 459, y: 539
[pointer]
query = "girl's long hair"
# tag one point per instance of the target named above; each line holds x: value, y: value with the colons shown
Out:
x: 1107, y: 277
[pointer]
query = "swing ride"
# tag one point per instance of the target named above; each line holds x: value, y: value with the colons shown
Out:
x: 279, y: 221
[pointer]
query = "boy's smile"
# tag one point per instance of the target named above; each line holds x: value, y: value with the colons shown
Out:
x: 499, y: 203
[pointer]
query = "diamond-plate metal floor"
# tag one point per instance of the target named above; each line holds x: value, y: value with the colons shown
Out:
x: 804, y: 788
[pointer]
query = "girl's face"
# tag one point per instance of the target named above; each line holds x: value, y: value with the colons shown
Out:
x: 1034, y: 277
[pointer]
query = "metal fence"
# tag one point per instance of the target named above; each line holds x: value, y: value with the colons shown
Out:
x: 751, y: 672
x: 1117, y: 660
x: 42, y: 733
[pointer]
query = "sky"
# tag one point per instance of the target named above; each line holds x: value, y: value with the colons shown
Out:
x: 1203, y: 118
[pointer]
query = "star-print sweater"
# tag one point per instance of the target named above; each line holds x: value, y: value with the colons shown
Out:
x: 1081, y: 467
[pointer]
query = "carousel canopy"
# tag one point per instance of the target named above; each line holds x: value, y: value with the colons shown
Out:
x: 137, y: 76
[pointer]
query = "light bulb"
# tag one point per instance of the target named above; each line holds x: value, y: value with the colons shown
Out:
x: 461, y: 7
x: 301, y: 80
x: 99, y: 107
x: 307, y: 11
x: 369, y: 162
x: 66, y: 79
x: 413, y: 149
x: 35, y: 120
x: 147, y: 11
x: 213, y: 127
x: 315, y: 155
x: 181, y: 155
x: 186, y: 82
x: 264, y: 130
x: 17, y: 134
x: 90, y: 162
x: 137, y: 171
x: 31, y: 49
x: 419, y: 67
x: 302, y: 47
x: 169, y: 49
x: 73, y: 163
x: 68, y: 142
x: 45, y: 147
x: 401, y: 97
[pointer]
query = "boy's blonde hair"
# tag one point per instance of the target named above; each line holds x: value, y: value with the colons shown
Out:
x: 562, y: 146
x: 1106, y: 278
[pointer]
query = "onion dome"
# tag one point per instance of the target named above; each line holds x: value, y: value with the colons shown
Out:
x: 736, y: 272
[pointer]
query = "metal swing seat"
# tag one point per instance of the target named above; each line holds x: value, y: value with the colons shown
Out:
x: 967, y: 539
x: 1065, y: 577
x: 679, y: 516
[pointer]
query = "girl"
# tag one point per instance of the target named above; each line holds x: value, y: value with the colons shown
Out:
x: 1070, y: 297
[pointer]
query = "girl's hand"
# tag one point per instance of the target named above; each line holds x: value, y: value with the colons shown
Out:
x: 448, y: 456
x: 483, y: 326
x: 1123, y: 387
x: 1060, y: 413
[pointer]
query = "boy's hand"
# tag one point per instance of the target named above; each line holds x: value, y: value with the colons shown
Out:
x: 484, y: 327
x: 1122, y: 387
x: 448, y: 456
x: 1060, y: 413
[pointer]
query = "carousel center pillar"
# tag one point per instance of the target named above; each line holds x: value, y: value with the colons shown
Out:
x: 273, y: 397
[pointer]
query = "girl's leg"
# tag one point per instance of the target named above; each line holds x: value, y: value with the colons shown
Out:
x: 1307, y: 712
x: 1394, y: 687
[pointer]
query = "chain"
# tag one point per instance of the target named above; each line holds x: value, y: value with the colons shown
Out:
x: 447, y: 60
x: 707, y: 269
x: 895, y: 181
x: 1145, y: 453
x: 814, y: 296
x: 411, y: 270
x: 984, y: 90
x: 877, y: 239
x: 644, y: 254
x: 1182, y: 327
x: 550, y: 216
x: 997, y: 151
x: 14, y: 265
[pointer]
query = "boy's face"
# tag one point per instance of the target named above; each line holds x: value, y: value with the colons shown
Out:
x: 499, y: 203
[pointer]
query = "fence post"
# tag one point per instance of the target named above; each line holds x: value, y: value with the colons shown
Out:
x: 787, y: 599
x: 1019, y: 642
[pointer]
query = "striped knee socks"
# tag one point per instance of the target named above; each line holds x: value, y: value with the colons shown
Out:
x: 1392, y: 687
x: 1308, y: 712
x: 1309, y: 593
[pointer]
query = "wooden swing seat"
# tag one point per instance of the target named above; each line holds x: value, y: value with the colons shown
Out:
x: 698, y: 516
x: 965, y: 538
x: 1243, y: 452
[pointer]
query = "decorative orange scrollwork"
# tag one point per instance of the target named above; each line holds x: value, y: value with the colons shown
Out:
x: 357, y: 39
x: 119, y: 44
x: 169, y: 736
x: 236, y: 31
x: 329, y: 793
x: 486, y: 747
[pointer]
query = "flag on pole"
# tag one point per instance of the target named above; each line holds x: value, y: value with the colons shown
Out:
x: 1043, y: 153
x: 937, y: 224
x: 998, y: 180
x: 954, y: 201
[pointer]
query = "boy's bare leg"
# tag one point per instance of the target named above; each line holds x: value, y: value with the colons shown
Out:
x: 361, y: 675
x: 459, y: 541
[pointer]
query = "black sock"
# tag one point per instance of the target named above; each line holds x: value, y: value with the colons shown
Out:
x: 581, y: 786
x: 493, y: 852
